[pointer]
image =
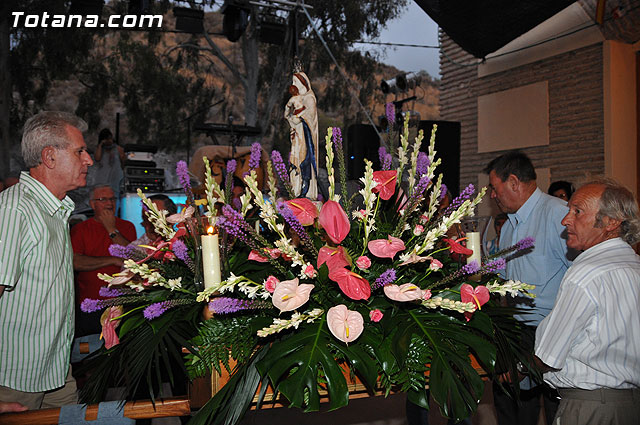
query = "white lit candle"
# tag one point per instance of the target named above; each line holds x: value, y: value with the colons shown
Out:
x: 473, y: 242
x: 211, y: 259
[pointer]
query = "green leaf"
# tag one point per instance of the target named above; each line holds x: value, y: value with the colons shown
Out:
x: 306, y: 351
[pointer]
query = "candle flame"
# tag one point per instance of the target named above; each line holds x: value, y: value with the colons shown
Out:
x: 210, y: 230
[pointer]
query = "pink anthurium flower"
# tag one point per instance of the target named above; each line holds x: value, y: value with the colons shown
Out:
x: 403, y: 293
x: 288, y: 295
x: 304, y: 210
x: 454, y: 246
x: 255, y: 256
x: 334, y: 221
x: 120, y: 278
x: 478, y: 295
x: 386, y: 183
x: 345, y: 324
x: 386, y: 248
x: 351, y: 284
x: 109, y: 326
x: 181, y: 216
x: 334, y: 257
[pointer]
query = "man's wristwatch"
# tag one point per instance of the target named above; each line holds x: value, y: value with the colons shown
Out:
x: 114, y: 234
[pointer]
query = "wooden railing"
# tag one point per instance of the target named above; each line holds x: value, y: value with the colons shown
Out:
x: 141, y: 409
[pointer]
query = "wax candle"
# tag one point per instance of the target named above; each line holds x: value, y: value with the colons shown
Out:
x: 211, y: 258
x: 473, y: 242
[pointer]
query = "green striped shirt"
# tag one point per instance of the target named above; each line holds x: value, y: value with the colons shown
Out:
x: 37, y: 307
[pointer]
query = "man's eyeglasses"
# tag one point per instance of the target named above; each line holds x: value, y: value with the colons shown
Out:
x: 105, y: 199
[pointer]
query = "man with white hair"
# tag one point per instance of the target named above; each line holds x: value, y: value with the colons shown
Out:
x: 589, y: 345
x: 36, y: 264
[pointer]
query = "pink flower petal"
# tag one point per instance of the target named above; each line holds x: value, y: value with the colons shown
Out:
x: 351, y: 284
x: 334, y: 257
x: 386, y: 248
x: 109, y: 326
x: 386, y: 183
x: 375, y: 315
x: 334, y: 221
x: 478, y: 295
x: 254, y: 256
x: 344, y: 324
x: 403, y: 293
x: 288, y: 295
x: 304, y: 210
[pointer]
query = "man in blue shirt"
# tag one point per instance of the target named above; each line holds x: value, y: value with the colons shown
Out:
x: 532, y: 213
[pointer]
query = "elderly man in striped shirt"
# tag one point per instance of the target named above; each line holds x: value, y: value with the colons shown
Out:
x: 36, y: 264
x: 589, y: 345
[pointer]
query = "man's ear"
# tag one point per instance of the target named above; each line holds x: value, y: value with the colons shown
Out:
x: 48, y: 157
x: 513, y: 181
x: 611, y: 224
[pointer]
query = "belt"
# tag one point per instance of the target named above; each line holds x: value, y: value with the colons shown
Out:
x: 603, y: 395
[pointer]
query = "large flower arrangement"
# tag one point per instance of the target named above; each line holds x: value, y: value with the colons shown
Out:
x: 313, y: 291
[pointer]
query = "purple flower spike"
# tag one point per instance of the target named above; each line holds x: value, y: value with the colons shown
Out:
x: 471, y: 268
x: 256, y: 153
x: 422, y: 164
x: 182, y: 170
x: 466, y: 194
x: 386, y: 278
x: 390, y: 111
x: 231, y: 166
x: 226, y: 305
x: 89, y: 305
x: 525, y: 243
x: 120, y: 251
x: 279, y: 166
x: 494, y: 266
x: 155, y: 310
x: 295, y: 224
x: 382, y: 154
x: 109, y: 292
x: 181, y: 251
x: 443, y: 191
x: 337, y: 138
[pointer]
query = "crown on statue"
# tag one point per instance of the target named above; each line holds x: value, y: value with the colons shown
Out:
x: 297, y: 66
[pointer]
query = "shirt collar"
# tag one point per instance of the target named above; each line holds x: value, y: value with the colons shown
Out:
x: 526, y: 209
x: 49, y: 202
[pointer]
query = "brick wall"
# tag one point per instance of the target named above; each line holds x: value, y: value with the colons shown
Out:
x: 576, y: 120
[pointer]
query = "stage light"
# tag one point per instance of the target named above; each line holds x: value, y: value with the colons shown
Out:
x: 235, y: 19
x: 189, y: 20
x: 401, y: 83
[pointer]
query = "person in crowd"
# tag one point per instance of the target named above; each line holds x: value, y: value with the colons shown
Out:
x: 530, y: 213
x: 91, y: 240
x: 589, y: 343
x: 163, y: 202
x: 109, y: 158
x: 36, y: 264
x: 561, y: 189
x: 493, y: 245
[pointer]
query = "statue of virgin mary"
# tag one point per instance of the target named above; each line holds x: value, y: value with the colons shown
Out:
x: 302, y: 115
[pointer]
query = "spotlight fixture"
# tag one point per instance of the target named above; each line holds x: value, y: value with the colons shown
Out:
x: 235, y: 19
x: 189, y: 20
x: 401, y: 83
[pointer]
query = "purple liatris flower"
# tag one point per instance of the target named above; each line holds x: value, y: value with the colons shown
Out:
x: 226, y: 305
x: 231, y: 166
x: 235, y: 224
x: 182, y: 252
x: 422, y: 164
x: 156, y: 310
x: 390, y: 111
x: 337, y: 138
x: 279, y: 166
x: 443, y: 191
x: 107, y: 292
x: 471, y: 268
x: 525, y: 243
x: 295, y: 224
x: 386, y: 278
x: 89, y: 306
x: 256, y: 152
x: 120, y: 251
x: 182, y: 170
x: 494, y: 266
x: 466, y: 194
x: 382, y: 154
x: 419, y: 189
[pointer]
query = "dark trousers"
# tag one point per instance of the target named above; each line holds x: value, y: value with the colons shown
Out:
x: 526, y: 410
x: 417, y: 415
